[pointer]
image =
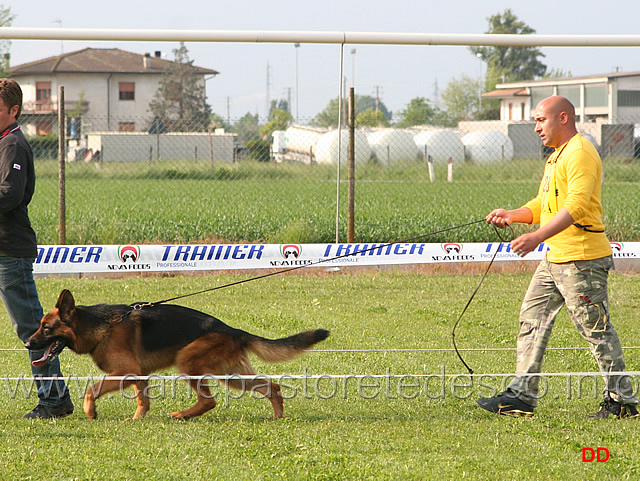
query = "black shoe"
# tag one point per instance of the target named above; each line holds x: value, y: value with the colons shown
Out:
x: 506, y: 404
x: 609, y: 406
x: 50, y: 412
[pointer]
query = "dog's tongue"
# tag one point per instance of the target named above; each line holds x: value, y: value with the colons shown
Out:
x: 45, y: 357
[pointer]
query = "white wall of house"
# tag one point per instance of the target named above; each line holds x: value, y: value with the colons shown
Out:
x: 586, y: 110
x: 625, y: 113
x: 101, y: 91
x: 515, y: 108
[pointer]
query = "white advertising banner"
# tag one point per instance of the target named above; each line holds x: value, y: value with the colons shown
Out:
x: 59, y: 259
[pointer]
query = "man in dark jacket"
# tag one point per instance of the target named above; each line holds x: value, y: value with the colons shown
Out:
x: 18, y: 250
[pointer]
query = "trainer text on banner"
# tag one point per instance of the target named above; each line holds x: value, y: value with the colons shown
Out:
x: 58, y: 259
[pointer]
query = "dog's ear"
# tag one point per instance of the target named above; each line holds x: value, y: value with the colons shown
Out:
x: 66, y: 305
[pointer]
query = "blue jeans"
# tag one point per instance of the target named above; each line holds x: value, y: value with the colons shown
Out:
x: 20, y: 297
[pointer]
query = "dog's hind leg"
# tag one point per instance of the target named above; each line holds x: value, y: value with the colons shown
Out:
x: 268, y: 389
x: 205, y: 402
x: 193, y: 361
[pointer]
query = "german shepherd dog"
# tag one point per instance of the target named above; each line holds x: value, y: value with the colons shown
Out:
x: 125, y: 341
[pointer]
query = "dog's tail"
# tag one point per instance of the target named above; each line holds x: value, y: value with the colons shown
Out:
x: 278, y: 350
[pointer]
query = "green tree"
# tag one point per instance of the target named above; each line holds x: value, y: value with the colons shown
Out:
x: 509, y: 63
x: 371, y: 118
x: 278, y: 120
x: 246, y: 127
x: 461, y: 98
x: 557, y: 73
x: 329, y: 116
x: 216, y: 121
x: 281, y: 104
x: 365, y: 102
x: 180, y: 101
x: 6, y: 19
x: 418, y: 112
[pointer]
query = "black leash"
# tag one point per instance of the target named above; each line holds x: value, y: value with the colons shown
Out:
x: 140, y: 306
x: 453, y: 331
x: 312, y: 264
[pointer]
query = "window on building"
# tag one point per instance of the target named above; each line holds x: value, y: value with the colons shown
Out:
x: 540, y: 93
x: 523, y: 111
x: 44, y: 127
x: 596, y: 95
x: 571, y: 92
x: 43, y: 96
x: 127, y: 127
x: 127, y: 90
x: 510, y: 111
x: 628, y: 98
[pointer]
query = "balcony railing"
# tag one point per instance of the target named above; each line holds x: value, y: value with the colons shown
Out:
x: 48, y: 107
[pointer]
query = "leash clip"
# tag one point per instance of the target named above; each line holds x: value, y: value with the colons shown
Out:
x: 141, y: 305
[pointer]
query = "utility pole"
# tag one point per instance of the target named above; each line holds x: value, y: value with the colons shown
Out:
x: 377, y: 97
x: 268, y: 100
x: 289, y: 99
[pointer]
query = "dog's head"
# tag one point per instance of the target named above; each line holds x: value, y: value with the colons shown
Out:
x: 56, y: 330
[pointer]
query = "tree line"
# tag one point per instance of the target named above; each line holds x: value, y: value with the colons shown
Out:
x: 460, y: 100
x: 180, y: 101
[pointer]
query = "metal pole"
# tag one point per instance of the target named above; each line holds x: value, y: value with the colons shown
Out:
x: 210, y: 148
x: 320, y: 37
x: 62, y: 216
x: 297, y: 46
x: 339, y: 145
x: 352, y: 167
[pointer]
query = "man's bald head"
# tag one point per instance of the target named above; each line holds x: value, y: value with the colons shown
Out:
x: 557, y: 105
x: 555, y: 120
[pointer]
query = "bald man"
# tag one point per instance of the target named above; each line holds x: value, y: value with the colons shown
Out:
x: 573, y: 274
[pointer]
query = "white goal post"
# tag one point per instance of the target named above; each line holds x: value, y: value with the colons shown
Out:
x: 326, y: 37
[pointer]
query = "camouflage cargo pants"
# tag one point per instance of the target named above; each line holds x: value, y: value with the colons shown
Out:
x: 582, y: 287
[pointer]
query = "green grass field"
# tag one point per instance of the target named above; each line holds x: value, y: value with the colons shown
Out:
x: 415, y: 428
x: 260, y: 202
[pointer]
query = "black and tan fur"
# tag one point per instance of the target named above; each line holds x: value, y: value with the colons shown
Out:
x: 124, y: 342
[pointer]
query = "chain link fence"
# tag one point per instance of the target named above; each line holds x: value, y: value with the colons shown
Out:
x: 131, y: 181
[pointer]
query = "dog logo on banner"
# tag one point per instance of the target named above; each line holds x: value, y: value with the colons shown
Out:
x: 128, y: 253
x: 292, y: 251
x: 617, y: 246
x: 452, y: 248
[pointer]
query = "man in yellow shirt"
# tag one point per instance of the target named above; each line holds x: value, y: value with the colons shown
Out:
x: 574, y: 272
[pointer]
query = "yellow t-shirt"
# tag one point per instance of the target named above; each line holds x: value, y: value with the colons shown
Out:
x: 572, y: 179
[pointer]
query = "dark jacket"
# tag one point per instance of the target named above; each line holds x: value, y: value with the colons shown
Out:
x: 17, y: 183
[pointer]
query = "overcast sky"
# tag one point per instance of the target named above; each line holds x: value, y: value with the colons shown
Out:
x: 397, y: 74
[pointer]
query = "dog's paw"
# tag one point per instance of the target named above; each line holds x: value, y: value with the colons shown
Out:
x: 178, y: 416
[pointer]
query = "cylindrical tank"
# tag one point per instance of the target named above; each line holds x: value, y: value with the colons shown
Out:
x: 591, y: 139
x: 300, y: 140
x: 392, y: 146
x: 488, y: 146
x: 277, y: 146
x: 440, y: 145
x: 327, y: 147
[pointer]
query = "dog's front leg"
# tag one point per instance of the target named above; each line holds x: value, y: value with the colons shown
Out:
x: 100, y: 389
x: 94, y: 392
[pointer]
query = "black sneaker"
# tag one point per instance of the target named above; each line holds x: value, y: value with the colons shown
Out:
x: 609, y: 406
x: 50, y: 412
x: 507, y: 404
